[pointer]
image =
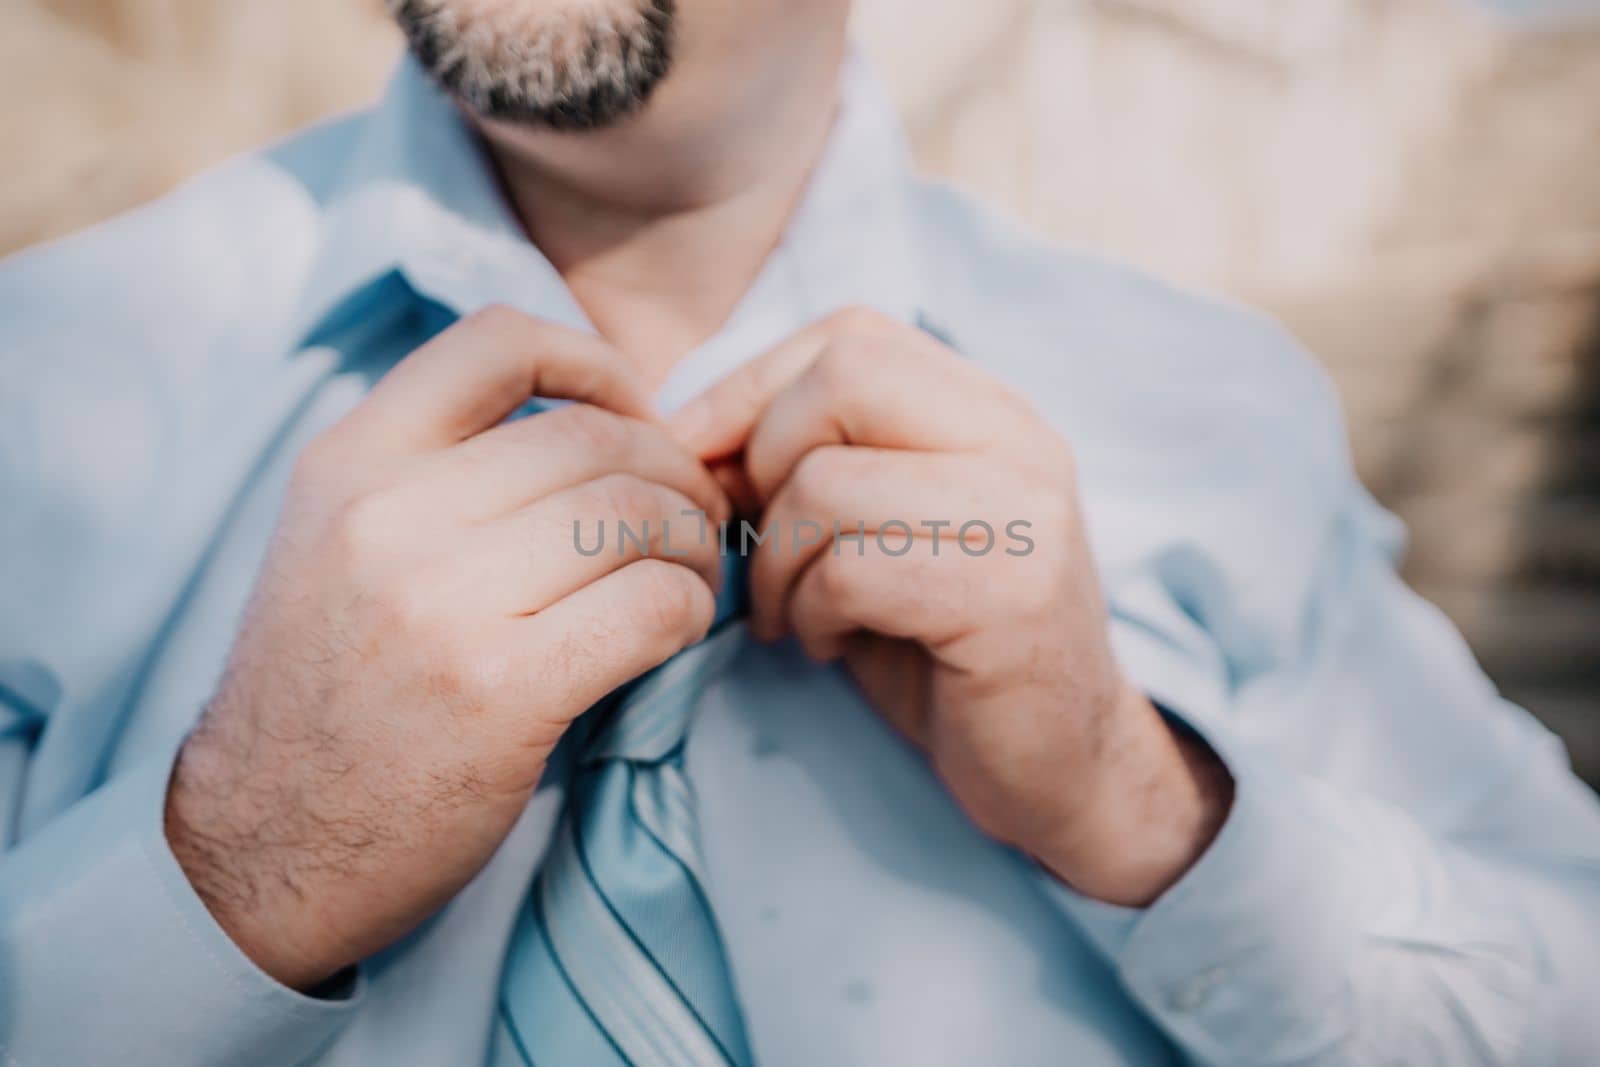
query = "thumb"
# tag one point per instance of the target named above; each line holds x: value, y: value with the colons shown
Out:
x: 717, y: 423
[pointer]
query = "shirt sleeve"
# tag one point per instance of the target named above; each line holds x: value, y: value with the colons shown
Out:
x: 120, y: 450
x: 1410, y: 872
x: 106, y: 950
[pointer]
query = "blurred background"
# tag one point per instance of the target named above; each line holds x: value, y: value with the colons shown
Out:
x: 1413, y: 186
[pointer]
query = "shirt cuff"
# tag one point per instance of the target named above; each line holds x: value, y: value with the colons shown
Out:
x: 1249, y: 956
x: 109, y: 955
x: 1107, y: 926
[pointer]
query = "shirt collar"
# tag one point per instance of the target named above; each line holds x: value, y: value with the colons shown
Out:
x: 418, y: 196
x: 851, y: 234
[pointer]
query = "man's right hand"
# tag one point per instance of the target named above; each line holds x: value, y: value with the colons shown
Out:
x: 422, y: 632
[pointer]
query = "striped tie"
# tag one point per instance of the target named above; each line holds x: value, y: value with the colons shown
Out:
x: 615, y: 958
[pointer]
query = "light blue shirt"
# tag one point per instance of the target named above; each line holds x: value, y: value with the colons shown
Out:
x: 1410, y: 873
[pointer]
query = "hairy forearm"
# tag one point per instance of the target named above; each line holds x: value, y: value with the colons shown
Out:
x: 1159, y: 796
x: 254, y: 863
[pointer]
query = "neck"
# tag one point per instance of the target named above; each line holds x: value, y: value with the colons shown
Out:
x: 660, y: 224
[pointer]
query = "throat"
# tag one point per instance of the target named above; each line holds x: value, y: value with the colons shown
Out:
x: 660, y: 285
x: 658, y: 275
x: 665, y: 293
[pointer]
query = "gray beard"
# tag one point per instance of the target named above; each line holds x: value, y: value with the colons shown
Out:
x: 562, y: 72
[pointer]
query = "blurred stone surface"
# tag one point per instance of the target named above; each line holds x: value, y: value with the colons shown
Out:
x: 1412, y: 185
x: 110, y: 102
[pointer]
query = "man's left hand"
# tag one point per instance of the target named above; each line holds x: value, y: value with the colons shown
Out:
x: 970, y: 613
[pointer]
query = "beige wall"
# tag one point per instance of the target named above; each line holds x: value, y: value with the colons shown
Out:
x: 1413, y: 187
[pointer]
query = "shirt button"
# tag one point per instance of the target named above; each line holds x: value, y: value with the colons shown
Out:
x: 1192, y: 995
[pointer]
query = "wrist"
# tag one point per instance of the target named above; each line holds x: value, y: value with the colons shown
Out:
x: 1157, y: 799
x: 221, y: 854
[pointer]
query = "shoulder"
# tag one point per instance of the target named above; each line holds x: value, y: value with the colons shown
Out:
x: 1186, y: 381
x: 157, y: 291
x: 1210, y: 446
x: 1133, y: 324
x: 205, y: 251
x: 125, y: 347
x: 152, y: 301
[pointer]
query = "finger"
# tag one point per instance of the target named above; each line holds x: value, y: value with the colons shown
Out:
x: 717, y: 422
x: 735, y: 484
x: 884, y: 395
x: 514, y: 464
x: 526, y: 561
x: 480, y: 370
x: 848, y: 494
x: 609, y: 632
x: 898, y: 589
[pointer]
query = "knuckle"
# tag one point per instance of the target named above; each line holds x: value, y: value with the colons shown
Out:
x: 363, y: 525
x: 814, y: 479
x: 1048, y: 566
x: 595, y: 430
x: 1040, y: 596
x: 475, y: 676
x: 833, y: 582
x: 1049, y: 509
x: 1049, y: 569
x: 496, y: 318
x: 1037, y: 444
x: 627, y: 496
x: 746, y: 391
x: 835, y: 368
x: 568, y: 662
x: 410, y: 608
x: 857, y: 318
x: 672, y: 598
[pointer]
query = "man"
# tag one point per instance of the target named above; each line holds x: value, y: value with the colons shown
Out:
x: 329, y: 737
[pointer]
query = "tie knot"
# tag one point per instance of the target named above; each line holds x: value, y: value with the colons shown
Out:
x: 652, y: 716
x: 733, y: 601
